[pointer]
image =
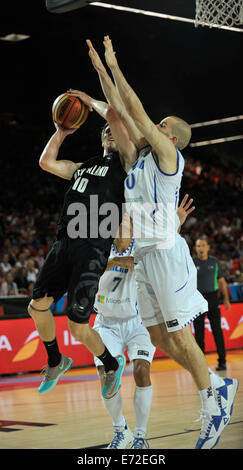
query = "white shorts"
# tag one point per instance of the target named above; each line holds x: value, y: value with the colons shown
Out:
x: 167, y: 287
x: 119, y: 335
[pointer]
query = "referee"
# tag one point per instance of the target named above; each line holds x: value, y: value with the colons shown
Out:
x: 209, y: 277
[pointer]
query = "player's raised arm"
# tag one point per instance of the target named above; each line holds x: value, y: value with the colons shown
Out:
x: 164, y: 137
x: 48, y: 159
x: 127, y: 136
x: 112, y: 95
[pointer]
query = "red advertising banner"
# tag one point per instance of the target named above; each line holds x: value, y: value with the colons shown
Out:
x: 21, y: 349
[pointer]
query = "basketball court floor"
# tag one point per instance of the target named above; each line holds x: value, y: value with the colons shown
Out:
x: 72, y: 415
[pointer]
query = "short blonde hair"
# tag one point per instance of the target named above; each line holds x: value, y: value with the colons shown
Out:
x: 182, y: 130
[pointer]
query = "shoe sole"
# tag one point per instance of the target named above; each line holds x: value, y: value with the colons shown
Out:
x: 56, y: 380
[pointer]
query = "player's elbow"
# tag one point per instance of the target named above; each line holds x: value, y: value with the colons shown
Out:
x: 112, y: 114
x: 43, y: 163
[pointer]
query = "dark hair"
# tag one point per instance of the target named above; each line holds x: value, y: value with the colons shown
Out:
x: 103, y: 130
x: 202, y: 237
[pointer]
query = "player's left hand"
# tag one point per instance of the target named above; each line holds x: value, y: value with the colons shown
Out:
x: 124, y: 262
x: 83, y: 96
x: 184, y: 209
x: 95, y: 58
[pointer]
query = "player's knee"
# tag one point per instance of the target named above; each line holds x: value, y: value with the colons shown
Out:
x: 141, y: 373
x: 37, y: 306
x: 182, y: 342
x: 158, y: 339
x: 78, y: 330
x: 80, y: 314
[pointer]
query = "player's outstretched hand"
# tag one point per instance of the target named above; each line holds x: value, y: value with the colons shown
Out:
x: 184, y: 209
x: 124, y: 262
x: 110, y: 55
x: 83, y: 96
x: 95, y: 58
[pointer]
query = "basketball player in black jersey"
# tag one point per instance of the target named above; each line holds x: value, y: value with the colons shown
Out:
x: 78, y: 259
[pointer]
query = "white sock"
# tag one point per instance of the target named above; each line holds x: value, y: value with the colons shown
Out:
x: 208, y: 401
x: 142, y: 404
x: 114, y: 407
x: 216, y: 380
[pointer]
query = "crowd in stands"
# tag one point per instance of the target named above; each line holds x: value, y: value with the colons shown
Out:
x: 28, y: 223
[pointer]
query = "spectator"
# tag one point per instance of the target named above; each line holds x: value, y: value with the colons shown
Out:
x: 39, y: 259
x: 5, y: 265
x: 21, y: 280
x: 31, y: 271
x: 30, y: 288
x: 9, y: 287
x: 21, y: 263
x: 1, y: 276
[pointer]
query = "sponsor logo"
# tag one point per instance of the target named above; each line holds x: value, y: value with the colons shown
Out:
x: 172, y: 323
x: 143, y: 353
x: 29, y: 349
x: 101, y: 299
x: 238, y: 331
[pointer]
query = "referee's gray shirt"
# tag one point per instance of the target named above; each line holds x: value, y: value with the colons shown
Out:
x: 208, y: 273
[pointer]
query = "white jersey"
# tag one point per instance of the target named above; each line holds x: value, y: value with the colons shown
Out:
x: 152, y: 201
x: 117, y: 296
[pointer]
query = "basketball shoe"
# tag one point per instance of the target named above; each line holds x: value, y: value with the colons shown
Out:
x: 139, y: 442
x: 212, y: 427
x: 112, y: 379
x: 225, y: 395
x: 122, y: 437
x: 52, y: 374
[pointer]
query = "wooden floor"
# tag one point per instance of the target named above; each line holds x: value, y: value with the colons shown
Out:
x: 72, y: 416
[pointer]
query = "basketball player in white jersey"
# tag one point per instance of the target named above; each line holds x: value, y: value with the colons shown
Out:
x: 168, y: 298
x: 120, y: 326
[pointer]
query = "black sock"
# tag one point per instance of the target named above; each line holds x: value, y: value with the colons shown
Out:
x: 54, y: 356
x: 110, y: 362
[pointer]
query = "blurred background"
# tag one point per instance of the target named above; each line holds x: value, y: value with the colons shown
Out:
x: 175, y: 68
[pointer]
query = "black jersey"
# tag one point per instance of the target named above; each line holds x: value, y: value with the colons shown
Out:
x: 98, y: 181
x: 208, y: 273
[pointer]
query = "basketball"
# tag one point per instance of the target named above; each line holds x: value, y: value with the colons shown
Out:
x: 69, y: 112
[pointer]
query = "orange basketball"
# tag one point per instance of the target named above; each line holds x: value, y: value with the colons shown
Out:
x: 69, y: 112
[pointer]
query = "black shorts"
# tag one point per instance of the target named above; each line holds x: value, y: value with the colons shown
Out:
x: 73, y: 266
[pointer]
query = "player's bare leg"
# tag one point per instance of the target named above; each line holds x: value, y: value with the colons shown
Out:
x: 86, y: 335
x: 224, y: 390
x: 45, y: 324
x: 142, y: 402
x: 166, y: 342
x: 58, y: 364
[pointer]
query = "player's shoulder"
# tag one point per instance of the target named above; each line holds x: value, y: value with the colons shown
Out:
x: 91, y: 160
x: 213, y: 260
